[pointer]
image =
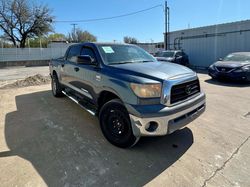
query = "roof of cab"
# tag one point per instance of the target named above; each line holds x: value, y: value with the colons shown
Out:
x: 102, y: 43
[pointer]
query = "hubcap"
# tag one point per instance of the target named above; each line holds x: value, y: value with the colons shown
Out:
x: 117, y: 126
x: 117, y: 123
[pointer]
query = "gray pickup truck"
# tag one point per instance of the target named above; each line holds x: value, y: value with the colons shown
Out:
x: 132, y: 94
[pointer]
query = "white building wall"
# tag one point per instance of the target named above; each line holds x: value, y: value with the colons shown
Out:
x: 212, y: 42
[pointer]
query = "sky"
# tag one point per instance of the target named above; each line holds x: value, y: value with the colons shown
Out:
x: 146, y: 26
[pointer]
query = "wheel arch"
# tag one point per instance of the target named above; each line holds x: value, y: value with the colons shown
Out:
x: 54, y: 73
x: 106, y: 96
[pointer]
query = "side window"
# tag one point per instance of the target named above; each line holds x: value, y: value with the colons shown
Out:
x: 88, y: 51
x: 178, y: 54
x: 74, y: 51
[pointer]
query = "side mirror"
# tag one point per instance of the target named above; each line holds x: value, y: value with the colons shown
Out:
x: 85, y: 59
x: 220, y: 59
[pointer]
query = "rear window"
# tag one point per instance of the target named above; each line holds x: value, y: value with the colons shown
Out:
x: 166, y: 54
x: 237, y: 57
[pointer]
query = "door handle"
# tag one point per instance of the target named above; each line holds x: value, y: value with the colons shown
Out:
x: 76, y: 69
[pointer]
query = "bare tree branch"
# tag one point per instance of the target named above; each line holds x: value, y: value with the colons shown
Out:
x: 130, y: 40
x: 20, y: 19
x: 79, y: 35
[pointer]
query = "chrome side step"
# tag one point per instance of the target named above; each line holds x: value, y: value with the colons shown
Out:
x: 77, y: 102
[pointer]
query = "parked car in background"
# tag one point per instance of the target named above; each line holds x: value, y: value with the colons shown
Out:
x: 132, y: 93
x: 174, y: 56
x: 235, y: 66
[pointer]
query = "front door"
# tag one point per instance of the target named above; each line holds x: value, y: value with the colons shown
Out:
x: 85, y: 76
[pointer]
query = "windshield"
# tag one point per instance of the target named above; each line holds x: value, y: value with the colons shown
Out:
x: 121, y: 54
x: 166, y: 54
x: 237, y: 57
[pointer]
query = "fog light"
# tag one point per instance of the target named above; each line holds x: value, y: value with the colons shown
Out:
x: 152, y: 126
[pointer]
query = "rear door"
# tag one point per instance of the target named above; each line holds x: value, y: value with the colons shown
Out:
x: 70, y: 66
x: 62, y: 68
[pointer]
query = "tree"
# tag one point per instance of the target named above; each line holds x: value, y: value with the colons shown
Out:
x: 79, y: 35
x: 130, y: 40
x: 37, y: 42
x: 57, y: 37
x: 5, y: 44
x: 22, y: 19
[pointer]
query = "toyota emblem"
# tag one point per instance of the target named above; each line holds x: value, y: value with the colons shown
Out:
x: 188, y: 90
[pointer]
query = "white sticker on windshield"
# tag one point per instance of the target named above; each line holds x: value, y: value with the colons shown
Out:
x: 108, y: 49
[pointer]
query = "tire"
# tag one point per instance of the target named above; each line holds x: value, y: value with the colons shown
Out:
x: 115, y: 124
x: 213, y: 77
x: 56, y: 86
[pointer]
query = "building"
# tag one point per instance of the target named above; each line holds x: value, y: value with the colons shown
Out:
x: 59, y: 44
x: 205, y: 45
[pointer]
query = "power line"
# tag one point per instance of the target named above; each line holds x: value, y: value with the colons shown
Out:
x: 108, y: 18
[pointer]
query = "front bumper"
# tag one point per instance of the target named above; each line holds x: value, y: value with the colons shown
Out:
x: 238, y: 76
x: 168, y: 119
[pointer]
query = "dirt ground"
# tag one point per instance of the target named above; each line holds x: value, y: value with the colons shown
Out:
x: 45, y: 141
x: 9, y: 75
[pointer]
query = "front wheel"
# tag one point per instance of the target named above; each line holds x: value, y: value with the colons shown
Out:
x: 212, y: 76
x: 115, y: 124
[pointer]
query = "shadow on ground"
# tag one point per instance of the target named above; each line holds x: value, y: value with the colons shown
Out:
x: 228, y: 83
x: 66, y: 147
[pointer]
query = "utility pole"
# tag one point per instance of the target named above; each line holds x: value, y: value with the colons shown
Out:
x: 74, y: 30
x: 167, y: 24
x: 74, y: 27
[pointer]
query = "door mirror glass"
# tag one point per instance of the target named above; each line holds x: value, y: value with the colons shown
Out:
x: 85, y: 59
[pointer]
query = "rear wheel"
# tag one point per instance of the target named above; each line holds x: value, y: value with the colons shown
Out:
x: 56, y: 86
x: 115, y: 124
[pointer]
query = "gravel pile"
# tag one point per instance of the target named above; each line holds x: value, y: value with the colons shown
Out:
x: 29, y: 81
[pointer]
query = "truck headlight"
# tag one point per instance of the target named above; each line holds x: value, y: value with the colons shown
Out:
x: 146, y: 90
x: 246, y: 68
x: 211, y: 67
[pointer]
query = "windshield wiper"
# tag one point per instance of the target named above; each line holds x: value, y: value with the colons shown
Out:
x: 146, y: 61
x: 129, y: 62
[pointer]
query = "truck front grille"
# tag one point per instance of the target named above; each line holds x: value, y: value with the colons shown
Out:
x: 183, y: 91
x: 224, y: 69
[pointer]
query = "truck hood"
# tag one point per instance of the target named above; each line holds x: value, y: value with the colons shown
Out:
x: 157, y: 70
x: 232, y: 64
